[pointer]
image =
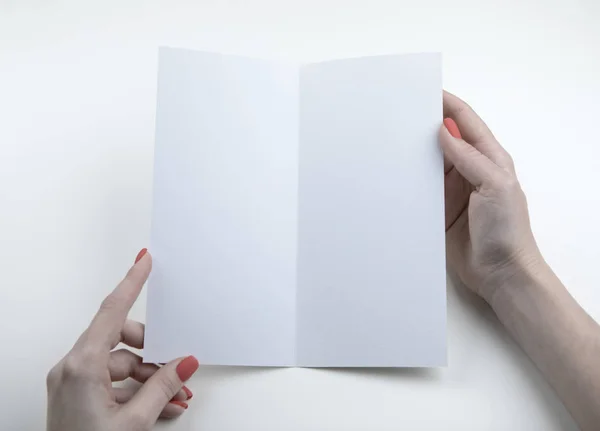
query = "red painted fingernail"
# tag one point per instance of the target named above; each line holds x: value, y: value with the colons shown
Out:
x: 140, y: 254
x: 452, y: 128
x: 188, y: 393
x: 186, y: 368
x: 180, y: 404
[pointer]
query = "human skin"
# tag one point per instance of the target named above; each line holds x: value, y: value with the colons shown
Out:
x: 81, y: 395
x: 491, y: 248
x: 489, y: 244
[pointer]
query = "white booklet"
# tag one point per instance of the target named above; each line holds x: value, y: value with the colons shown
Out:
x: 298, y: 214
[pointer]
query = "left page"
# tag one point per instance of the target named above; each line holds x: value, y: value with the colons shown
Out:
x: 224, y: 216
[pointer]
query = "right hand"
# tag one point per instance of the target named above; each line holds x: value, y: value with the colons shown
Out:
x: 488, y: 234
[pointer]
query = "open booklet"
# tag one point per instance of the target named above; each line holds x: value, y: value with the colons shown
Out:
x: 298, y: 213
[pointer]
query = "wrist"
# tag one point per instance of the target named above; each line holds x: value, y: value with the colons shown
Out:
x: 525, y: 273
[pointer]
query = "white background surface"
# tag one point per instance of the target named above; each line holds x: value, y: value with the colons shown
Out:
x: 77, y: 101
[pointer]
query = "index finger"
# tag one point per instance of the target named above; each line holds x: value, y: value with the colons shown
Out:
x: 475, y: 131
x: 472, y: 127
x: 105, y: 329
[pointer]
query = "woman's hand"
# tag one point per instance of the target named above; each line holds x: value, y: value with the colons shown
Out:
x: 490, y: 245
x: 80, y: 391
x: 488, y: 235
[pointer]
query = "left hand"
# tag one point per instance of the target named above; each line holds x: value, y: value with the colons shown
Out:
x: 80, y: 391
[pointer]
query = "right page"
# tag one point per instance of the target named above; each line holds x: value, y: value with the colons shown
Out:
x: 371, y: 257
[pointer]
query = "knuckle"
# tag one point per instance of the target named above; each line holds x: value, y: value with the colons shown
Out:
x: 80, y: 364
x: 508, y: 162
x: 511, y: 184
x: 168, y: 386
x: 506, y: 184
x: 110, y: 302
x: 73, y: 367
x: 89, y: 354
x: 53, y: 376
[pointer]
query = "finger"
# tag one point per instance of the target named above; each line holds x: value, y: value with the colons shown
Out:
x: 105, y: 330
x: 458, y: 244
x: 476, y: 168
x: 457, y: 191
x: 124, y: 394
x: 475, y: 131
x: 125, y: 364
x: 470, y: 124
x: 132, y: 334
x: 447, y: 165
x: 453, y: 129
x: 173, y: 409
x: 156, y: 393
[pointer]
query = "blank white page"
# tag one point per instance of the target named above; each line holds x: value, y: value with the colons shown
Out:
x: 298, y: 213
x: 224, y: 215
x: 371, y: 255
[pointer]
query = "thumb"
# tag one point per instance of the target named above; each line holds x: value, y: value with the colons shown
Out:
x: 159, y: 389
x: 468, y: 161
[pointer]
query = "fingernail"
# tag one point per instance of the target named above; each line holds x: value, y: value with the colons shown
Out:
x: 140, y: 254
x: 186, y: 368
x: 180, y: 404
x: 188, y: 393
x: 452, y: 127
